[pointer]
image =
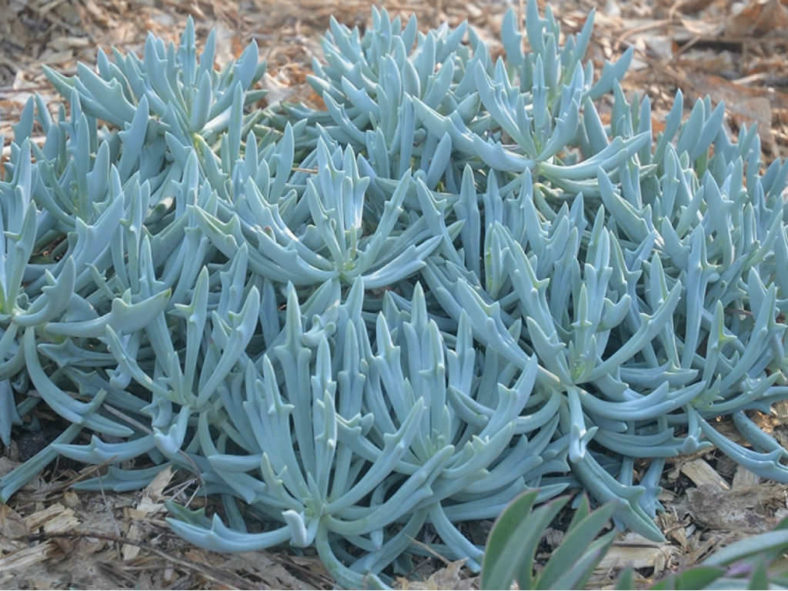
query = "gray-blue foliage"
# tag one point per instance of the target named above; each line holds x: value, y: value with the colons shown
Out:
x: 351, y: 324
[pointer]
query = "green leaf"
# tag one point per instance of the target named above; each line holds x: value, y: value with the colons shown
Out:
x: 497, y: 571
x: 626, y: 580
x: 513, y: 541
x: 575, y: 544
x: 581, y: 512
x: 760, y: 576
x: 774, y: 540
x: 578, y: 573
x: 695, y: 578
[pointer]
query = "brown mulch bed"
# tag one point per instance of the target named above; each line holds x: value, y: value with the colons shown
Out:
x: 53, y: 537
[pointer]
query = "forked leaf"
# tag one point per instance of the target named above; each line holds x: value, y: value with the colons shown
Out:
x: 314, y: 311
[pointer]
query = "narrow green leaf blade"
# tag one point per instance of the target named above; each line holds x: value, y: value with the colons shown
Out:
x: 575, y: 545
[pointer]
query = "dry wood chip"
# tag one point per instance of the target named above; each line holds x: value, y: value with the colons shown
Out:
x: 155, y: 490
x: 701, y: 473
x: 97, y: 14
x: 65, y: 520
x: 55, y: 57
x: 27, y: 557
x: 743, y: 479
x: 706, y: 543
x: 673, y: 527
x: 638, y: 552
x: 780, y: 409
x: 12, y: 525
x: 39, y: 518
x: 702, y: 27
x: 264, y: 566
x: 690, y: 6
x: 759, y: 17
x: 448, y: 577
x: 750, y: 510
x: 129, y: 552
x: 71, y: 499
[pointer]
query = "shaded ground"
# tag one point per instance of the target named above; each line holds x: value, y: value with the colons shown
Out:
x: 52, y: 537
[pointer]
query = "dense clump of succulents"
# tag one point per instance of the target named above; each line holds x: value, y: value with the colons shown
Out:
x: 388, y: 317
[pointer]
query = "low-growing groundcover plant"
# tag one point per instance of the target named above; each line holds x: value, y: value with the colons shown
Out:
x: 364, y: 326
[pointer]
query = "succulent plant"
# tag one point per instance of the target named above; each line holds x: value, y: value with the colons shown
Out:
x: 516, y: 534
x: 751, y: 563
x: 372, y: 323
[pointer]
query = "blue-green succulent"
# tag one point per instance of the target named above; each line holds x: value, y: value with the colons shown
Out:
x: 363, y: 324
